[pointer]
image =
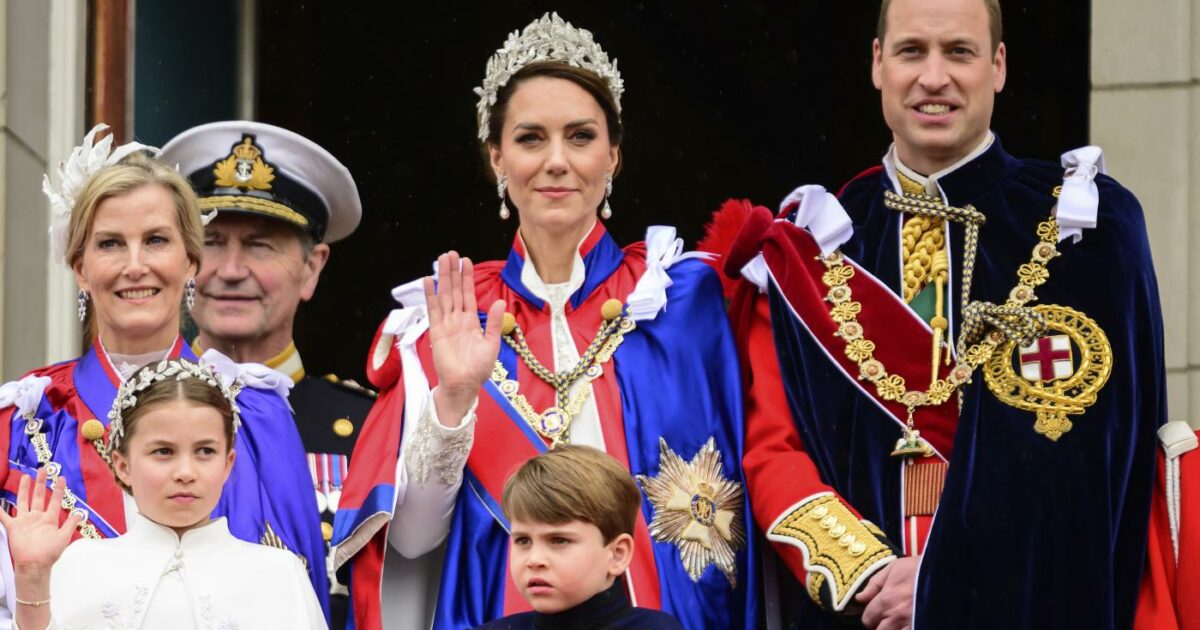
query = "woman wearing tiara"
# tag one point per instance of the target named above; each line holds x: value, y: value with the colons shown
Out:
x: 129, y: 226
x: 171, y: 441
x: 627, y: 350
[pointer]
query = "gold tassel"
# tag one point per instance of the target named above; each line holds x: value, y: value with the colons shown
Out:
x: 940, y: 273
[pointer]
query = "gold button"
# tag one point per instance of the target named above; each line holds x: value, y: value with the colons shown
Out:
x: 857, y: 549
x: 343, y: 427
x: 847, y: 540
x: 837, y: 530
x: 819, y: 512
x: 508, y: 323
x: 92, y: 430
x: 326, y: 531
x: 829, y: 521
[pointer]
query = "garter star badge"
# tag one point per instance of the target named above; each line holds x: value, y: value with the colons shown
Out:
x: 697, y: 509
x: 1059, y: 374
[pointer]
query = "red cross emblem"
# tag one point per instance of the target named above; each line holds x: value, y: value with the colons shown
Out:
x: 1047, y: 359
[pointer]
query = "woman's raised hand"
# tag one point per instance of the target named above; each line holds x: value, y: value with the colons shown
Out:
x: 463, y: 352
x: 35, y: 537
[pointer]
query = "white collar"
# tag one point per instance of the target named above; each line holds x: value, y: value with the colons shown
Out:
x: 124, y: 365
x: 539, y: 288
x: 893, y: 165
x: 148, y: 534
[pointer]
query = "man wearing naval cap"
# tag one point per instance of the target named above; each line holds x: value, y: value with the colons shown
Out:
x: 281, y: 199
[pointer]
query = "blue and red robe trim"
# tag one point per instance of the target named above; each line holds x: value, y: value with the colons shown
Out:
x: 673, y: 378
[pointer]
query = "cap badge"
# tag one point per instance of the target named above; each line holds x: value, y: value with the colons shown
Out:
x: 244, y: 168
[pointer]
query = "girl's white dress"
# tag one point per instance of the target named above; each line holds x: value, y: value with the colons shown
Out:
x: 206, y: 579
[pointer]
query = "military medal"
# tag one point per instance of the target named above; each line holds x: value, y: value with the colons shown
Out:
x: 323, y: 458
x: 339, y: 471
x: 314, y: 470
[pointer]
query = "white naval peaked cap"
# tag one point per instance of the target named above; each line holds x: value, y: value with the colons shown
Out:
x: 248, y: 167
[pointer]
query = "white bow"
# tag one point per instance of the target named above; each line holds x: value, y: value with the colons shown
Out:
x: 411, y: 293
x: 822, y: 215
x: 1080, y: 199
x: 24, y: 394
x: 409, y: 323
x: 662, y: 250
x: 253, y: 375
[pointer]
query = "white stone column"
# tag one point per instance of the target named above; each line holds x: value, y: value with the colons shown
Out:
x: 1144, y: 113
x: 43, y: 80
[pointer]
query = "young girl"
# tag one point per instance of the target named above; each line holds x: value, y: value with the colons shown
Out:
x: 171, y: 434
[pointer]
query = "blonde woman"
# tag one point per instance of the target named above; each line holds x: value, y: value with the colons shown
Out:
x: 130, y: 228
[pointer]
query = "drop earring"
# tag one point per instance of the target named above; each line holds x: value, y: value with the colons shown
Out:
x: 501, y: 190
x: 189, y: 296
x: 83, y: 300
x: 606, y: 211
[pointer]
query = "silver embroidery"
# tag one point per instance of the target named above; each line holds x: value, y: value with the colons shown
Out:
x: 436, y: 449
x: 209, y: 616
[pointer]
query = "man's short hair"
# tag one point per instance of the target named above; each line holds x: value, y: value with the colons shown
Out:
x: 570, y: 483
x: 995, y: 23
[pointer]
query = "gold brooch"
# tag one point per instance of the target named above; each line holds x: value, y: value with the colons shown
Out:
x: 697, y: 509
x: 244, y: 168
x: 1051, y: 383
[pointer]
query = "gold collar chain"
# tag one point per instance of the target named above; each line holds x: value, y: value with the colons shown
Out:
x: 554, y: 423
x: 1005, y: 319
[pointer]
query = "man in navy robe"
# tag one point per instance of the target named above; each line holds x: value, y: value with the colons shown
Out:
x: 955, y: 367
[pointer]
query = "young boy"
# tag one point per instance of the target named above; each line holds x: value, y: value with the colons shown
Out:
x: 572, y: 511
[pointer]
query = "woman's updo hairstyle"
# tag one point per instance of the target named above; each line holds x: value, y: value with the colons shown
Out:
x: 585, y: 79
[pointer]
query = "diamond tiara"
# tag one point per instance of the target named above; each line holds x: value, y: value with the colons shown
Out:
x: 547, y: 39
x: 177, y: 369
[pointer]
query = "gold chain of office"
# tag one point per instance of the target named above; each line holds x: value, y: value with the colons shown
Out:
x: 892, y: 387
x: 555, y: 422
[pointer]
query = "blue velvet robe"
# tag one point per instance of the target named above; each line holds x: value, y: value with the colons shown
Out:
x: 1030, y: 533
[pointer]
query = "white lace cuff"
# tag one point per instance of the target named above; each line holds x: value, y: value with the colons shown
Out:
x: 439, y: 449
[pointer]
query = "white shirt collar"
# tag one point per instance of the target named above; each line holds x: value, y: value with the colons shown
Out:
x: 893, y: 165
x: 533, y: 282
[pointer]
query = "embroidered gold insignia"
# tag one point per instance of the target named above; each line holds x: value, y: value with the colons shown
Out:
x: 697, y: 509
x: 244, y: 168
x: 1051, y: 382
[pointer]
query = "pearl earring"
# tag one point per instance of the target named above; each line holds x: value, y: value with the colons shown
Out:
x: 501, y: 189
x: 606, y: 212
